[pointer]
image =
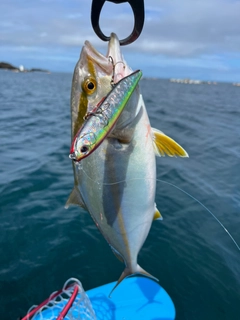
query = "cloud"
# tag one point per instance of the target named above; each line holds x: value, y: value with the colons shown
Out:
x: 187, y: 28
x: 187, y: 33
x: 175, y: 28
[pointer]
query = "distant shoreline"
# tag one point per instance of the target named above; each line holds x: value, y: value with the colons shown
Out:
x: 8, y: 66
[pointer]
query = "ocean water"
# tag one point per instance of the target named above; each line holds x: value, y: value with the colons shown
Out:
x: 42, y: 244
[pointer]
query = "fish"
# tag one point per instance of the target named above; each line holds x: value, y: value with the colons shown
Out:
x: 100, y: 122
x: 116, y: 183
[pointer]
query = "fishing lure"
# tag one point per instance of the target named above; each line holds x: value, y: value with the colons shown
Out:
x: 99, y: 123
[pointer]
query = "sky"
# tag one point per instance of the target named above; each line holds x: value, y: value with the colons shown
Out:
x: 197, y: 39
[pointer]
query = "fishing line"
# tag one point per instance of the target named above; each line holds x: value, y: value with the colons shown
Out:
x: 188, y: 194
x: 178, y: 188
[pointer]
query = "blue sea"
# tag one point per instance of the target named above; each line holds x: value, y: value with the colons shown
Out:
x: 42, y: 244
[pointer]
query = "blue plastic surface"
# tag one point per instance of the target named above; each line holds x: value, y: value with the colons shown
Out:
x: 136, y: 298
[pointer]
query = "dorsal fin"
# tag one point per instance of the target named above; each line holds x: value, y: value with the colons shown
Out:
x: 166, y: 145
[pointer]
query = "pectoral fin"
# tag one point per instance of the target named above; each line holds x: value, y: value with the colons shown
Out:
x: 75, y: 199
x: 166, y: 145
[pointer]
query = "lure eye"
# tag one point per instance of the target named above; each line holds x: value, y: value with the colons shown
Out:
x: 84, y: 149
x: 89, y: 85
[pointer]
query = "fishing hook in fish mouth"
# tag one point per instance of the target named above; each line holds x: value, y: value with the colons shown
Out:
x: 138, y: 11
x: 110, y: 58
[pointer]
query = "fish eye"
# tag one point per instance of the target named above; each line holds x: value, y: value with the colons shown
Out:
x: 84, y: 149
x: 89, y: 85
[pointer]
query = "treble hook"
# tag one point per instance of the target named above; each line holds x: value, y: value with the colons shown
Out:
x: 138, y: 11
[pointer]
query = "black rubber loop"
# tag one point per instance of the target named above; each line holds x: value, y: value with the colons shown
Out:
x: 138, y: 11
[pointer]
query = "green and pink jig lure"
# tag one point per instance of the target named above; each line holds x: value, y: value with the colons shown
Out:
x: 100, y: 122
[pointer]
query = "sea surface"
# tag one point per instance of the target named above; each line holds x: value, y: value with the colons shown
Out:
x: 42, y: 244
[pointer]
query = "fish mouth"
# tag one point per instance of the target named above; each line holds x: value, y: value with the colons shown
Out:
x: 113, y: 64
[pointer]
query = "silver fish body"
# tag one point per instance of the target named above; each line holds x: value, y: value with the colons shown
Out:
x: 116, y: 183
x: 117, y: 186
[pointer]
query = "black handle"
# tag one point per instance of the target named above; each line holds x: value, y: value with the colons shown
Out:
x: 138, y: 11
